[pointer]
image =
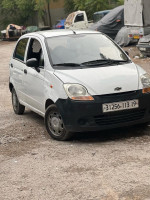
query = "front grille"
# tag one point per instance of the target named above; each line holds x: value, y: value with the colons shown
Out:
x: 115, y: 118
x: 144, y: 43
x: 119, y: 94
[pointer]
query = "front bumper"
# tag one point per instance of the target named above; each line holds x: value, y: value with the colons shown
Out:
x: 81, y: 116
x: 144, y: 48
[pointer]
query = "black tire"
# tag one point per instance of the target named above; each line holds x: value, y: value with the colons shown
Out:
x: 54, y: 124
x: 18, y: 108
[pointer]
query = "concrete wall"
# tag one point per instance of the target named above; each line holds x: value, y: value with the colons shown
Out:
x: 56, y: 14
x: 57, y: 11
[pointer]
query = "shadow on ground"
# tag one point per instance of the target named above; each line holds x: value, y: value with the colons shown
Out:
x: 98, y: 136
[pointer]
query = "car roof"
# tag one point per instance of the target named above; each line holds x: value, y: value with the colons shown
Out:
x: 103, y: 11
x: 59, y: 32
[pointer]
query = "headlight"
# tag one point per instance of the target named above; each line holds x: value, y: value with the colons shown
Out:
x: 145, y: 79
x: 77, y: 92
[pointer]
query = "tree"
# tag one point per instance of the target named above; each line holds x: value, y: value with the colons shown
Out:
x: 91, y: 6
x: 17, y: 11
x: 69, y: 6
x: 43, y: 8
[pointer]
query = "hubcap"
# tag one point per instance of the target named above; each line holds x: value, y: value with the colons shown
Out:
x: 55, y: 124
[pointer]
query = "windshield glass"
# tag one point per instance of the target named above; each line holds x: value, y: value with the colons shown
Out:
x: 83, y: 48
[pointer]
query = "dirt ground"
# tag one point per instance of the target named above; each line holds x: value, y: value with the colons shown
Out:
x: 108, y: 165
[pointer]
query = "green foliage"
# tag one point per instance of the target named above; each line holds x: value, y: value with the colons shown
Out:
x: 16, y: 11
x: 43, y: 9
x: 20, y: 11
x: 91, y: 6
x: 40, y: 6
x: 69, y: 6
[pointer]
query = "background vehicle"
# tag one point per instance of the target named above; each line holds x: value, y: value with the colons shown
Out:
x: 77, y: 20
x: 78, y: 81
x: 144, y: 45
x: 122, y: 37
x: 60, y: 24
x: 31, y: 29
x: 99, y: 15
x: 12, y: 31
x: 137, y: 17
x: 111, y: 23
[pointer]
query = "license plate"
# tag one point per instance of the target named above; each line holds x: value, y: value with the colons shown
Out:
x: 136, y: 37
x: 143, y: 49
x: 123, y: 105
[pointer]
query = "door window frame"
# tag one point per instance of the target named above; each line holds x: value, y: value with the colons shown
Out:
x: 23, y: 61
x: 38, y: 39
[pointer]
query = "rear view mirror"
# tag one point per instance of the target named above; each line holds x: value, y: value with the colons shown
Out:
x: 33, y: 62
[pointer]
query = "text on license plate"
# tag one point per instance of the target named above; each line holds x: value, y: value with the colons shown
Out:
x: 123, y: 105
x: 136, y: 37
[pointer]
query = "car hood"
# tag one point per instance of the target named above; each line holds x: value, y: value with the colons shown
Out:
x: 103, y: 80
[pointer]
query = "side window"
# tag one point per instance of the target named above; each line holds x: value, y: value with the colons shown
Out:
x: 20, y: 49
x: 35, y: 51
x: 79, y: 18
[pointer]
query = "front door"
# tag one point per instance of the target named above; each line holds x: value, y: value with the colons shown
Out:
x: 33, y: 79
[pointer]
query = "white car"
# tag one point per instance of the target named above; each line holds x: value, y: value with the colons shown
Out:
x: 78, y: 81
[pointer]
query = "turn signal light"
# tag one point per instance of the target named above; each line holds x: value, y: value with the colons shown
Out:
x: 83, y: 98
x: 146, y: 90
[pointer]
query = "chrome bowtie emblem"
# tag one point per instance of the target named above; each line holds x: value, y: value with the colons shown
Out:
x: 118, y: 89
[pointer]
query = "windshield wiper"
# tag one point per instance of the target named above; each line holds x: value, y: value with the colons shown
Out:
x: 119, y: 61
x: 103, y: 61
x: 68, y: 64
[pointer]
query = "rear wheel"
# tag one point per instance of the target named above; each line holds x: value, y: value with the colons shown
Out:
x: 54, y: 124
x: 18, y: 108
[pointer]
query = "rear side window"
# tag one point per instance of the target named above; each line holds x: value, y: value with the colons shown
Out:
x: 20, y: 49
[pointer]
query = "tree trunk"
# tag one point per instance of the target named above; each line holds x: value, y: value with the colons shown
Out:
x: 49, y: 14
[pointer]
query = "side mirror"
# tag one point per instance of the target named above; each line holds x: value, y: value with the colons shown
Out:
x: 33, y: 62
x: 127, y: 53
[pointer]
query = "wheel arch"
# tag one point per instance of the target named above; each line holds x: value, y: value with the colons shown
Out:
x: 10, y: 87
x: 48, y: 103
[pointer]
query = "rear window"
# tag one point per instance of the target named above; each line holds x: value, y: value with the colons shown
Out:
x: 20, y: 49
x: 79, y: 18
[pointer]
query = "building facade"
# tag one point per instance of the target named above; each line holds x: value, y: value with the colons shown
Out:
x: 57, y: 11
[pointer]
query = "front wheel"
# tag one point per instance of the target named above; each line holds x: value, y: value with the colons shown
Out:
x: 18, y: 108
x: 54, y: 124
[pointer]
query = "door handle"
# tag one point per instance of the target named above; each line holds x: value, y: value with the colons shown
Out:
x: 11, y: 65
x: 25, y: 71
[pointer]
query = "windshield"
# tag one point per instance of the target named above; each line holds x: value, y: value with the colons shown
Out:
x: 80, y: 49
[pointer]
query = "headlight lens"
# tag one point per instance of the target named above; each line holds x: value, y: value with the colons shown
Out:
x: 77, y: 92
x: 145, y: 79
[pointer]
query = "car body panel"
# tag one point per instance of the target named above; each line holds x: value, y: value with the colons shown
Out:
x: 105, y: 80
x: 35, y: 88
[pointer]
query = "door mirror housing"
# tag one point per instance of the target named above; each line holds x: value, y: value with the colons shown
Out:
x: 33, y: 62
x: 127, y: 53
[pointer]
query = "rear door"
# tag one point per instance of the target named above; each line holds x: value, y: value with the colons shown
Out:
x: 17, y: 66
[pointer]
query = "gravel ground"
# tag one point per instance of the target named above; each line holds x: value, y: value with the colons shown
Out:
x: 111, y: 165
